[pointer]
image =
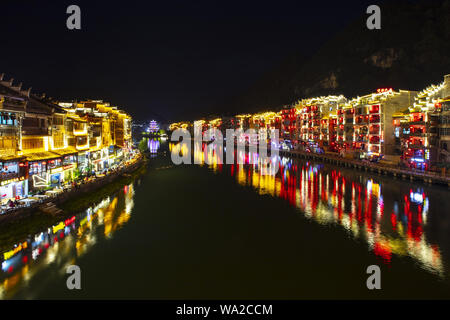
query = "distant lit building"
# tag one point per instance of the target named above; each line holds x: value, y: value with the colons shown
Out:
x: 153, y: 127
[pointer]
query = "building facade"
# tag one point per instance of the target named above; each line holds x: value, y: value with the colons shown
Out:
x: 400, y: 126
x: 44, y: 143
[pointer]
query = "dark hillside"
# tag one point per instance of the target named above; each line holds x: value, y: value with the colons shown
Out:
x: 411, y: 51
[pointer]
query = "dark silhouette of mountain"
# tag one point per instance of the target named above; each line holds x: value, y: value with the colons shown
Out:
x: 411, y: 51
x: 151, y: 115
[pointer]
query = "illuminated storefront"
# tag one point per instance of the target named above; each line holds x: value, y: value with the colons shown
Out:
x: 111, y: 156
x: 83, y: 161
x: 38, y: 174
x: 52, y: 172
x: 70, y: 167
x: 97, y: 160
x: 62, y: 174
x: 13, y: 184
x: 15, y: 188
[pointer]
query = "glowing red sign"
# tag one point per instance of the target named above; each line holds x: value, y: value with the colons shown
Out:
x: 382, y: 90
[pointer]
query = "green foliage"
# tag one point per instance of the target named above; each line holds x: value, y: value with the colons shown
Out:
x: 87, y: 199
x: 143, y: 145
x: 76, y: 174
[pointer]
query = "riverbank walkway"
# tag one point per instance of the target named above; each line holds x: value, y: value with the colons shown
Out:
x: 49, y: 201
x: 381, y: 168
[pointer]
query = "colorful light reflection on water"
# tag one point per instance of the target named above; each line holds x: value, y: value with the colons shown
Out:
x: 153, y: 145
x: 392, y: 218
x: 391, y: 222
x: 63, y: 243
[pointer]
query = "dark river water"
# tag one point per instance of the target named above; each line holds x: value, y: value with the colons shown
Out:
x: 226, y: 231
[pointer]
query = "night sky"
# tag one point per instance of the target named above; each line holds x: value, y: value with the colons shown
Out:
x: 177, y: 59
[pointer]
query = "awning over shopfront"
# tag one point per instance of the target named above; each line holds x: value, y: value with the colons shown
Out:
x: 42, y: 156
x: 94, y: 149
x: 11, y: 157
x: 66, y: 151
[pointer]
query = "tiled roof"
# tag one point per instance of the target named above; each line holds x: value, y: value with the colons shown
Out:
x: 34, y: 104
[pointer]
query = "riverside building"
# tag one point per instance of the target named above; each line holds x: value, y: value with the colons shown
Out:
x: 368, y: 121
x: 45, y: 144
x: 424, y: 128
x: 400, y: 126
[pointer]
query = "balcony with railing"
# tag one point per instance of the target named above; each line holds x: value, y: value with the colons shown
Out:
x: 374, y: 119
x: 415, y: 131
x: 417, y: 134
x: 349, y: 137
x: 416, y: 146
x: 7, y: 131
x: 361, y: 119
x: 35, y: 131
x: 361, y: 138
x: 82, y: 143
x: 374, y: 139
x: 374, y: 109
x: 417, y: 118
x: 374, y: 129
